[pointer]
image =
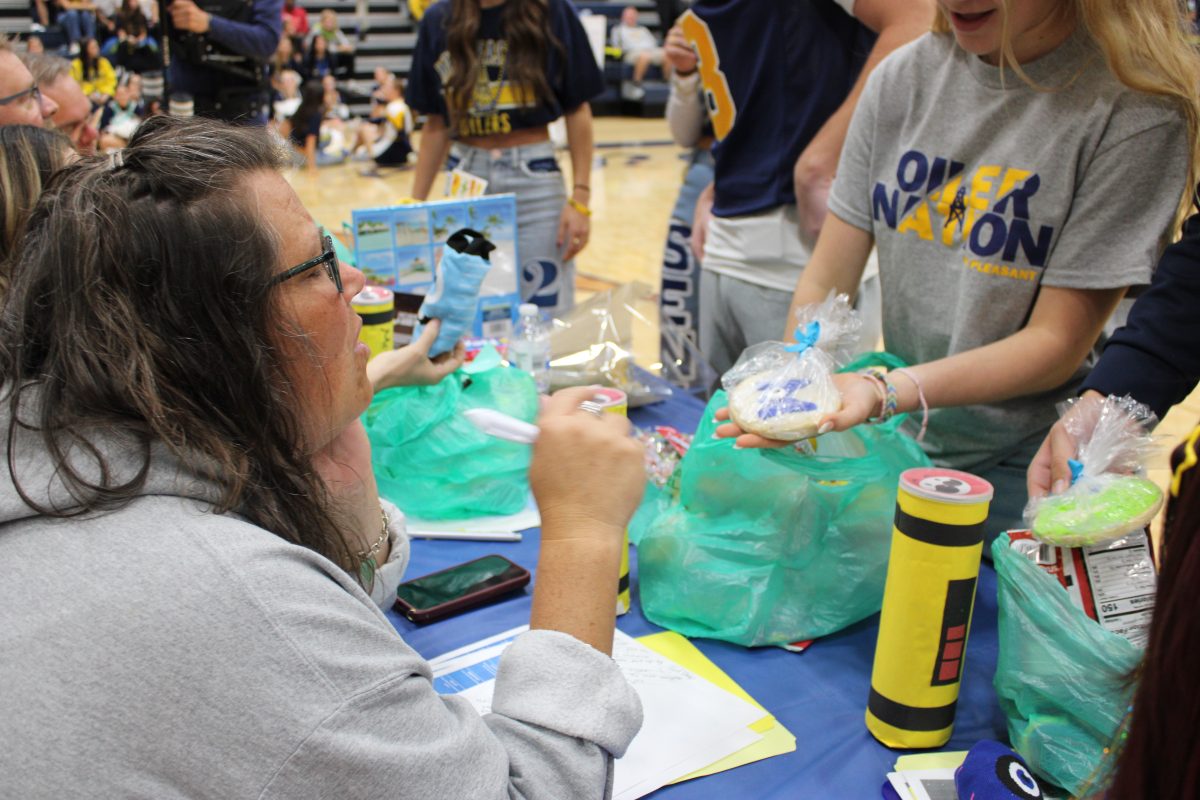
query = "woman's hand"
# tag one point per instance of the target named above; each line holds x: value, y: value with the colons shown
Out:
x: 411, y: 364
x: 1049, y: 472
x: 345, y: 466
x: 587, y: 473
x: 573, y: 231
x: 701, y: 218
x: 860, y: 402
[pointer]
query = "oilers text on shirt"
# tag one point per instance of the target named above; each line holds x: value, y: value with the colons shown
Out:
x: 985, y: 212
x: 494, y: 96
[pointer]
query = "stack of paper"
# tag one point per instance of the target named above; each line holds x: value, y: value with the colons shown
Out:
x: 694, y: 724
x: 926, y: 776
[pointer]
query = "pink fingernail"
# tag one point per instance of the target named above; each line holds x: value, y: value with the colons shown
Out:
x: 1059, y: 486
x: 738, y: 447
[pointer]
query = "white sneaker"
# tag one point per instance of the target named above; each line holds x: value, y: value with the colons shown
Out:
x: 73, y: 50
x: 631, y: 91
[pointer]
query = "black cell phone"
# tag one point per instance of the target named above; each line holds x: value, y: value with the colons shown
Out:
x: 455, y: 589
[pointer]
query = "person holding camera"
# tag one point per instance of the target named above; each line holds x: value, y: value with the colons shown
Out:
x: 218, y: 55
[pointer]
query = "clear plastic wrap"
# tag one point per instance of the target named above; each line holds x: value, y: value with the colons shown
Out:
x: 596, y: 341
x: 1108, y: 496
x: 781, y: 391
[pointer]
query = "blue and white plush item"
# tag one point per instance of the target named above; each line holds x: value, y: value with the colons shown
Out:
x: 991, y: 771
x: 455, y: 293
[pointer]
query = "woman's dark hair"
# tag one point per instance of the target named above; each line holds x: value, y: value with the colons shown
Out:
x: 528, y: 39
x: 312, y: 104
x: 90, y: 63
x: 1159, y: 757
x: 29, y: 155
x: 142, y: 313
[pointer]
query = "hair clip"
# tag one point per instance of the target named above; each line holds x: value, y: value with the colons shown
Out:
x: 116, y: 159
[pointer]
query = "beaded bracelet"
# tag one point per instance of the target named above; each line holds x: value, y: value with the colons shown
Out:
x: 874, y: 377
x: 578, y: 206
x: 888, y: 400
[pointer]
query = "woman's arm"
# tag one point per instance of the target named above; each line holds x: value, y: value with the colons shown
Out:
x: 435, y: 144
x: 1062, y: 328
x: 574, y: 226
x: 837, y: 265
x: 587, y: 476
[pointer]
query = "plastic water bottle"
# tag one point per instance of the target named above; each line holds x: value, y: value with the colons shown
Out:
x: 530, y: 346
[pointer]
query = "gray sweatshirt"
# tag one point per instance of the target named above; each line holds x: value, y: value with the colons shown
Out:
x: 166, y: 651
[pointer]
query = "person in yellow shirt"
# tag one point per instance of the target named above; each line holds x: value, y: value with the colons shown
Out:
x: 94, y: 73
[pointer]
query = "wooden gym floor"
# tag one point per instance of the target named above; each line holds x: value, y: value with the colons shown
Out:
x: 635, y: 178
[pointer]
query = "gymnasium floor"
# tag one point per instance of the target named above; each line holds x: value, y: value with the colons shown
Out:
x: 635, y: 178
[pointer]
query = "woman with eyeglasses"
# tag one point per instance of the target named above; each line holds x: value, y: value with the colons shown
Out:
x: 191, y: 529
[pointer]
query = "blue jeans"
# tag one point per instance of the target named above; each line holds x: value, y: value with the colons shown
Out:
x: 530, y: 172
x: 79, y: 25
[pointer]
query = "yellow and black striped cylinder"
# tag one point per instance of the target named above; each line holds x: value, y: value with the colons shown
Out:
x: 613, y: 401
x: 377, y: 307
x: 937, y: 542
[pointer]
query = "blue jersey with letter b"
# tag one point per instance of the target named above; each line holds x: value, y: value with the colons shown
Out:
x: 773, y: 72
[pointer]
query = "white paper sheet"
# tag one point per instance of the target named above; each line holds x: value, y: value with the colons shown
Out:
x: 688, y: 722
x: 527, y: 517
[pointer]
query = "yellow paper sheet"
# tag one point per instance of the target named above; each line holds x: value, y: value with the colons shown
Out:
x: 919, y: 761
x: 776, y: 740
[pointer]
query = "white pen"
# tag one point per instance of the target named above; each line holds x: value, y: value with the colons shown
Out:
x: 502, y: 426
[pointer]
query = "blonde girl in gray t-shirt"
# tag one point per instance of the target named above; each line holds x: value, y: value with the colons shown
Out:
x: 1018, y: 169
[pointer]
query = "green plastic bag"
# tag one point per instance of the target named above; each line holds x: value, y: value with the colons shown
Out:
x: 1060, y: 676
x: 765, y: 547
x: 433, y: 463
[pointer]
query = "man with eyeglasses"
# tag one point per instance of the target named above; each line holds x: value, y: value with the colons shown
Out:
x: 21, y: 101
x: 74, y: 115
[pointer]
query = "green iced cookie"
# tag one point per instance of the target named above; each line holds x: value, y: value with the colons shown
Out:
x: 1083, y: 516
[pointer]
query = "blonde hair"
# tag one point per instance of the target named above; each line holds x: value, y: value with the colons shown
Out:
x: 28, y: 157
x: 1147, y: 47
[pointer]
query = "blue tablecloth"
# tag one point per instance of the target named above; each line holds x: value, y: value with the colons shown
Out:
x: 819, y: 695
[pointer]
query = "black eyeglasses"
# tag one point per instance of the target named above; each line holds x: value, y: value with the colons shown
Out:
x: 328, y: 258
x: 33, y: 91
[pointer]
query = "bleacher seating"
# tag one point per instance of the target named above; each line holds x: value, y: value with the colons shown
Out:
x: 391, y: 37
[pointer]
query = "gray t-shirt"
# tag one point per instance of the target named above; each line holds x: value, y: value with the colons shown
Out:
x: 164, y: 650
x: 979, y: 189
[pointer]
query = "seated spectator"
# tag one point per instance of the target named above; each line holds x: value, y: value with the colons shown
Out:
x: 286, y: 58
x: 34, y: 45
x: 135, y: 49
x: 121, y: 117
x: 305, y: 133
x: 197, y: 452
x: 78, y: 19
x: 295, y: 20
x: 29, y: 155
x: 339, y: 44
x: 73, y: 113
x: 639, y: 48
x: 385, y: 137
x: 319, y: 60
x: 335, y: 106
x: 285, y: 95
x: 94, y: 74
x: 22, y: 101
